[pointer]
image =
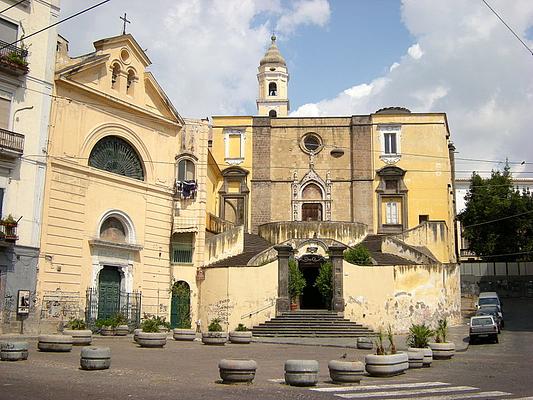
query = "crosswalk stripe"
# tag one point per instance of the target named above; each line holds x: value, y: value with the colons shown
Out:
x: 407, y: 392
x: 483, y: 395
x: 377, y: 387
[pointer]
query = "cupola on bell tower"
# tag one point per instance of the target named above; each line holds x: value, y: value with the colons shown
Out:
x: 273, y: 78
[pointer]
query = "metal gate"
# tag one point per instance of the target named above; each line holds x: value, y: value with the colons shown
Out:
x: 129, y: 305
x: 180, y: 310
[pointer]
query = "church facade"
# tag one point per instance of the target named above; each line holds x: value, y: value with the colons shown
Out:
x: 309, y: 186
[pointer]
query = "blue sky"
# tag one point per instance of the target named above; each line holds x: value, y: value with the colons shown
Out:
x: 345, y: 57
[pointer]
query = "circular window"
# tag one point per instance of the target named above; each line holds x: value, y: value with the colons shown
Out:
x: 311, y: 143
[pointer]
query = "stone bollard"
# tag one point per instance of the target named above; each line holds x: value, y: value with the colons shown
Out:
x: 183, y: 335
x: 55, y: 343
x: 122, y: 330
x: 94, y: 358
x: 237, y: 370
x: 136, y: 334
x: 365, y: 343
x: 342, y: 371
x: 301, y: 372
x: 13, y: 351
x: 79, y: 337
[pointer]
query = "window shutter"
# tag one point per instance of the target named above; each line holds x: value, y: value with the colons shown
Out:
x: 5, y: 108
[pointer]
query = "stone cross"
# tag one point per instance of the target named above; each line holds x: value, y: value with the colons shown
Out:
x: 125, y: 22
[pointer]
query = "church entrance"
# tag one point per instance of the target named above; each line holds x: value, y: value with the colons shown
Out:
x: 108, y: 292
x: 311, y: 298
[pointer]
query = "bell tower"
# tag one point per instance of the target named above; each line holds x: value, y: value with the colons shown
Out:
x: 273, y: 79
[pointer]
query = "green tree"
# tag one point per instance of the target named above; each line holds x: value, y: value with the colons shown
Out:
x: 497, y: 220
x: 296, y: 280
x: 324, y: 282
x: 358, y: 255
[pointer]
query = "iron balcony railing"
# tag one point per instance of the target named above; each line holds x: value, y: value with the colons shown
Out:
x: 11, y: 140
x: 14, y: 56
x: 8, y: 231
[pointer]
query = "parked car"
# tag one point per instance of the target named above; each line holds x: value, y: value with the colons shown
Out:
x: 483, y: 326
x: 495, y: 312
x: 488, y: 299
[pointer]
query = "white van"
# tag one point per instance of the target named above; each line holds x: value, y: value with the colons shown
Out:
x: 489, y: 299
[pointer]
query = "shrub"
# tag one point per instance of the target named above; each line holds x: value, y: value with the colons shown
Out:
x: 323, y: 282
x: 153, y: 323
x: 104, y: 322
x: 296, y: 280
x: 76, y: 324
x: 358, y: 255
x: 390, y: 336
x: 215, y: 326
x: 419, y: 336
x: 442, y: 331
x: 241, y: 328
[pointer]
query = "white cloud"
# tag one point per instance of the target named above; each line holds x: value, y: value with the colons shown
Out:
x: 471, y: 67
x: 304, y: 12
x: 205, y: 53
x: 415, y: 51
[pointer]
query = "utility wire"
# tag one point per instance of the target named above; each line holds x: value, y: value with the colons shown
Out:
x: 14, y: 5
x: 54, y: 24
x: 498, y: 219
x: 508, y: 27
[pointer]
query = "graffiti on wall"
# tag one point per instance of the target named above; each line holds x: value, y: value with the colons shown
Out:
x: 60, y: 305
x: 221, y: 310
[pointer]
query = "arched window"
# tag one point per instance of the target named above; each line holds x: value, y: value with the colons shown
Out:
x: 272, y: 114
x: 115, y: 155
x: 114, y: 76
x: 113, y: 230
x: 272, y: 89
x: 130, y: 82
x: 186, y: 170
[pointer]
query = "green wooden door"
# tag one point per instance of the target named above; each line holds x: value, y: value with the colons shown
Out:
x: 108, y: 292
x: 180, y: 315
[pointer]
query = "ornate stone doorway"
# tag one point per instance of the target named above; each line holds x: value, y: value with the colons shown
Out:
x: 311, y: 298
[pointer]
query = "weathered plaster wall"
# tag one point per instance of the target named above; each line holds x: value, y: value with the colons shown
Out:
x: 239, y: 295
x: 402, y: 295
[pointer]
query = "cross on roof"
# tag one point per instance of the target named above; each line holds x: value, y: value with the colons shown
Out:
x: 125, y: 21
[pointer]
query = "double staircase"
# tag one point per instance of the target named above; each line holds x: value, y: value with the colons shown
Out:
x: 311, y: 323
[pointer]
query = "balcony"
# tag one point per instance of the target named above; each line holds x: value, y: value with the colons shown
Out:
x: 11, y: 143
x: 8, y: 231
x: 217, y: 225
x: 13, y: 59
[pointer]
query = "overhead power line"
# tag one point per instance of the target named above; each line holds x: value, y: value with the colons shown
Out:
x: 499, y: 219
x: 54, y: 24
x: 14, y: 5
x: 508, y: 27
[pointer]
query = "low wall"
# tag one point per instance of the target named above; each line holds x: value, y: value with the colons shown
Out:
x: 224, y: 245
x: 397, y: 247
x: 434, y: 236
x: 235, y: 295
x: 402, y: 295
x: 349, y: 233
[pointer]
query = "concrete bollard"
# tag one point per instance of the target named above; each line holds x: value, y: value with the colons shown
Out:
x: 237, y: 370
x: 79, y: 337
x: 365, y: 343
x: 301, y: 372
x: 13, y: 351
x: 183, y: 335
x: 95, y: 358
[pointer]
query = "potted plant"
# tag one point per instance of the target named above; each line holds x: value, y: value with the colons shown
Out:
x: 184, y: 332
x: 81, y: 336
x: 120, y: 324
x: 214, y: 334
x: 323, y: 282
x: 296, y: 283
x: 240, y: 335
x: 442, y: 350
x: 150, y: 335
x: 106, y: 326
x: 418, y: 341
x: 386, y: 362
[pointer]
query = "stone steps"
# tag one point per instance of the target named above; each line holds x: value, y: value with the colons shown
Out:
x: 311, y: 323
